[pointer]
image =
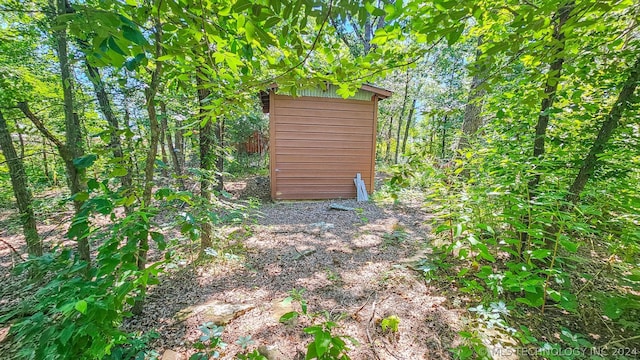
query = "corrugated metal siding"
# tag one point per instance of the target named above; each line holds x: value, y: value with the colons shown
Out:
x: 330, y: 93
x: 320, y: 144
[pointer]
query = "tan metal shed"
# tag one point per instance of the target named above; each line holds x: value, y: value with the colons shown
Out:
x: 319, y: 141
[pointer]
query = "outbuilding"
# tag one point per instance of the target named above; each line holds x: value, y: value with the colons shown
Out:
x: 319, y: 141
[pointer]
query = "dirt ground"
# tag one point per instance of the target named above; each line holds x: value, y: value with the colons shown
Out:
x: 354, y: 267
x: 352, y: 264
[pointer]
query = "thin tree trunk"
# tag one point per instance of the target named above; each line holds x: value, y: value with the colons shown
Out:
x: 21, y: 140
x: 219, y: 134
x: 179, y: 148
x: 444, y: 137
x: 175, y: 158
x: 432, y: 134
x: 154, y: 136
x: 177, y: 169
x: 367, y: 35
x: 553, y: 78
x: 21, y: 190
x: 626, y: 99
x: 45, y: 163
x: 207, y: 143
x: 387, y: 152
x: 130, y: 145
x: 408, y: 126
x: 73, y: 135
x: 404, y: 106
x: 105, y: 107
x: 163, y: 132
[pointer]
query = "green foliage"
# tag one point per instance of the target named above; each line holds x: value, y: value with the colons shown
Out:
x: 503, y: 213
x: 390, y: 323
x: 325, y: 344
x: 76, y: 311
x: 135, y: 348
x: 253, y: 355
x: 210, y: 343
x: 394, y: 238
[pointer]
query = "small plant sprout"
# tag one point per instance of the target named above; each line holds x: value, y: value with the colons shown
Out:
x: 360, y: 212
x: 325, y: 345
x: 210, y: 343
x: 390, y: 323
x: 211, y: 252
x: 245, y: 342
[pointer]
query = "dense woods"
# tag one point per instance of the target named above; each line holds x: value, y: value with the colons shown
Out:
x: 513, y: 123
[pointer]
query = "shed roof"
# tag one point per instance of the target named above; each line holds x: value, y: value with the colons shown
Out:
x: 362, y: 93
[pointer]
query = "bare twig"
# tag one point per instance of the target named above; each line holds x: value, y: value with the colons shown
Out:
x: 373, y: 345
x: 311, y: 50
x: 12, y: 249
x: 621, y: 340
x: 24, y: 107
x: 363, y: 305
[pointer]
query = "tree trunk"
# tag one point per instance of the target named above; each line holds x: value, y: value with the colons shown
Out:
x: 432, y: 134
x: 207, y: 144
x: 367, y: 35
x: 387, y: 152
x: 553, y: 78
x: 173, y: 151
x: 444, y: 137
x: 130, y: 144
x: 45, y: 163
x: 551, y: 86
x: 409, y: 124
x: 219, y: 134
x: 626, y: 99
x: 154, y: 136
x: 163, y: 134
x: 21, y: 140
x: 114, y: 127
x: 73, y: 148
x: 179, y: 148
x: 472, y: 120
x: 21, y: 190
x: 404, y: 106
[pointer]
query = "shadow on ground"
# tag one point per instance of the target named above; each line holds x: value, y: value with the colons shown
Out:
x: 352, y: 265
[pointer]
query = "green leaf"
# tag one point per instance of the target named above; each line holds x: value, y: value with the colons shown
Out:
x: 250, y: 30
x: 119, y: 171
x: 390, y: 323
x: 80, y: 197
x: 241, y: 5
x: 271, y: 22
x: 81, y: 306
x: 322, y: 341
x: 288, y: 317
x: 540, y: 253
x: 165, y: 58
x: 133, y: 35
x: 159, y: 239
x: 66, y: 333
x: 114, y: 46
x: 311, y: 352
x: 84, y: 162
x: 569, y: 245
x: 454, y: 35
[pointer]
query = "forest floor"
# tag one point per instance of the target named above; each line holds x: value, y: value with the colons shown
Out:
x: 356, y: 268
